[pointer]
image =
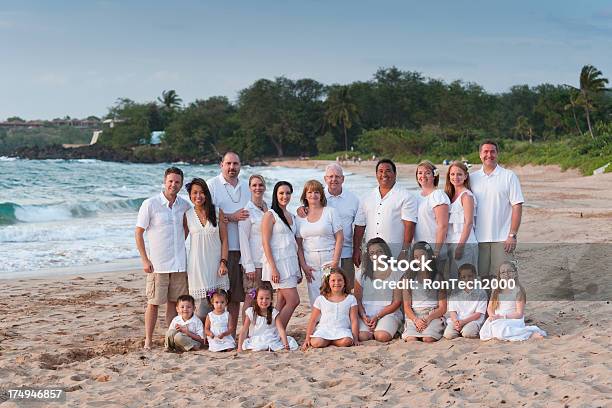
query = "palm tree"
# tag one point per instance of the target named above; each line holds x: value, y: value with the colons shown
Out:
x: 523, y: 127
x: 341, y: 110
x: 170, y: 99
x: 591, y: 83
x: 572, y: 106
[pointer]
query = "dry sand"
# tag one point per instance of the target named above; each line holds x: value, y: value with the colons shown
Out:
x: 84, y: 333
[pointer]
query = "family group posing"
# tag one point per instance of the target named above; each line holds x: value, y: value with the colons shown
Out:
x: 242, y: 251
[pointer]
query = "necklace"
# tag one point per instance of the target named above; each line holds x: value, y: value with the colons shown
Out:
x: 230, y: 194
x: 262, y: 207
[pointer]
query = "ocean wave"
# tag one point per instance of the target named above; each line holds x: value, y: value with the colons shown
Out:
x: 12, y: 213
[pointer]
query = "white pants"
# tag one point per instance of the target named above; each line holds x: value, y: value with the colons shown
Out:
x: 470, y: 255
x: 316, y: 260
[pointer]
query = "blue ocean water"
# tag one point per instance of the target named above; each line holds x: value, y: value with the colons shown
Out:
x: 58, y: 214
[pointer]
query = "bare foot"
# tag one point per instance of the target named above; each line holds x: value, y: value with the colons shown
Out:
x: 147, y: 345
x: 537, y: 336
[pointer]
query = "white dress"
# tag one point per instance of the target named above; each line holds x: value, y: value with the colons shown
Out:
x: 264, y: 336
x: 284, y: 250
x: 456, y: 221
x: 218, y: 325
x: 204, y: 257
x: 335, y: 321
x: 508, y: 329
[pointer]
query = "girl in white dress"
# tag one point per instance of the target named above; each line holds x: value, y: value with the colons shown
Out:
x: 506, y: 311
x: 432, y: 216
x: 280, y: 260
x: 261, y: 330
x: 320, y: 237
x: 249, y: 233
x: 208, y: 250
x: 217, y: 326
x: 338, y: 313
x: 461, y: 239
x: 379, y: 308
x: 424, y: 307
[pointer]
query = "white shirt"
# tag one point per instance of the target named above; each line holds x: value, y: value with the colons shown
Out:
x: 426, y: 220
x: 164, y: 229
x: 495, y: 193
x: 466, y: 303
x: 249, y: 231
x: 383, y: 217
x: 346, y: 205
x: 319, y: 235
x: 194, y: 324
x: 229, y: 199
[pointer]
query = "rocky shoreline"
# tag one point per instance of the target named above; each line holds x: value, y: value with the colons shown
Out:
x: 140, y: 154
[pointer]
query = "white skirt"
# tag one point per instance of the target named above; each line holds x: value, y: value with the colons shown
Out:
x: 264, y: 343
x: 332, y: 333
x: 508, y: 329
x: 226, y: 343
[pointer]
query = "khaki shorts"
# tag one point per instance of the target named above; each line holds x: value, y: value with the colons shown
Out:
x: 389, y: 323
x: 166, y: 287
x: 490, y: 256
x: 349, y: 270
x: 234, y: 271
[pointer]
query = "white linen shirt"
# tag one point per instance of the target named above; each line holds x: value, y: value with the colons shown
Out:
x: 229, y: 199
x: 164, y: 230
x: 346, y: 205
x: 194, y: 324
x: 321, y: 234
x: 383, y: 217
x: 495, y: 193
x: 249, y: 231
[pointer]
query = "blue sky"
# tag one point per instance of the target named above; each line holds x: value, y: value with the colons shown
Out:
x: 77, y: 57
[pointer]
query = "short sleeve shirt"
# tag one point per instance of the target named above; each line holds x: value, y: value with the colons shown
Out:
x: 383, y: 216
x: 194, y: 324
x: 229, y: 199
x: 163, y: 227
x: 346, y: 205
x: 319, y: 235
x: 495, y: 193
x: 426, y: 220
x: 466, y: 303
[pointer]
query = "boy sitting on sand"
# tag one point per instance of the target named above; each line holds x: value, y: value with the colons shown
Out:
x: 186, y: 331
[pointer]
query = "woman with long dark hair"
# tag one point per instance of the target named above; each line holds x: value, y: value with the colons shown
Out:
x: 280, y: 261
x: 208, y: 251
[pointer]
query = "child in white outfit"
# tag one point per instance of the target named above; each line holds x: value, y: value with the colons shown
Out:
x: 217, y: 327
x: 467, y: 307
x: 261, y: 330
x: 186, y: 331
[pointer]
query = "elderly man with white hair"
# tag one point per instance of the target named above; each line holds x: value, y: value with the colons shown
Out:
x: 346, y: 205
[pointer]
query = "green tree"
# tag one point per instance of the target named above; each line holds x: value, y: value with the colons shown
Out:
x: 170, y: 100
x: 523, y: 128
x: 340, y: 110
x: 592, y: 83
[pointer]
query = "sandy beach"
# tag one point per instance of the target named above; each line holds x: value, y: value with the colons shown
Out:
x: 84, y: 333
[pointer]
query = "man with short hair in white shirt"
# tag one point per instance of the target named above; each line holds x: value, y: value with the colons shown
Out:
x: 346, y: 205
x: 498, y: 214
x: 388, y: 212
x: 161, y: 216
x: 231, y: 195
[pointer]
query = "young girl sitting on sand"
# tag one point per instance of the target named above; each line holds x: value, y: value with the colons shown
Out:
x: 217, y: 327
x: 424, y: 307
x: 467, y: 307
x: 506, y: 319
x: 338, y: 310
x: 261, y: 330
x: 186, y: 331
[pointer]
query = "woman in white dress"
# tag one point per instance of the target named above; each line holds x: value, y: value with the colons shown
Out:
x: 249, y: 233
x: 280, y: 264
x: 320, y: 237
x: 506, y: 319
x: 432, y: 216
x: 461, y: 239
x: 208, y: 250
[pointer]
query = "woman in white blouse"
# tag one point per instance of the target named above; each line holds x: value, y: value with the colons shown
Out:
x: 461, y: 239
x: 249, y: 233
x: 319, y: 237
x: 432, y: 214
